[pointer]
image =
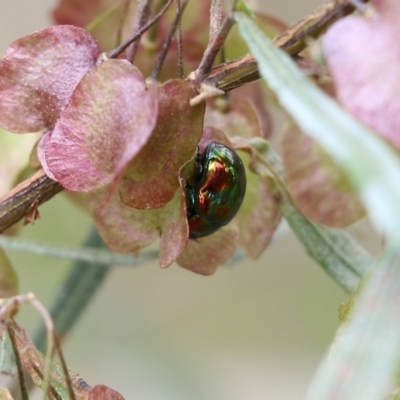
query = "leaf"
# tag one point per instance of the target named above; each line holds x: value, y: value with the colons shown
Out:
x: 258, y: 221
x: 8, y: 277
x: 123, y: 228
x: 102, y: 392
x: 245, y: 113
x: 362, y: 363
x: 363, y: 58
x: 175, y: 230
x: 371, y: 166
x: 35, y: 362
x: 336, y: 251
x: 127, y: 230
x: 206, y: 254
x: 318, y: 186
x: 211, y: 133
x: 109, y: 119
x: 8, y: 364
x: 152, y: 178
x: 39, y: 73
x: 259, y: 215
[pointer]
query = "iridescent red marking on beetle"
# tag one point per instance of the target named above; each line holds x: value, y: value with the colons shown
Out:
x: 218, y: 181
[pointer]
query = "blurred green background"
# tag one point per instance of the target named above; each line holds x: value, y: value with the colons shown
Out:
x: 256, y: 330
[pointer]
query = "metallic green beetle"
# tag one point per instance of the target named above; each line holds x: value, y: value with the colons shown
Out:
x: 218, y: 190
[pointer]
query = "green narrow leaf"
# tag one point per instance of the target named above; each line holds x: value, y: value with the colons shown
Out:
x: 370, y: 164
x: 363, y: 360
x: 339, y: 254
x: 7, y: 357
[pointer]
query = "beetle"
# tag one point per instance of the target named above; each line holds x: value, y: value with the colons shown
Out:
x: 217, y: 192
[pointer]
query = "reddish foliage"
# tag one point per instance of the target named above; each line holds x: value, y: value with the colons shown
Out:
x: 364, y: 59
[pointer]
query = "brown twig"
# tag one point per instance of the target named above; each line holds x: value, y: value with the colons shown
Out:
x: 21, y: 377
x: 164, y: 50
x: 116, y: 52
x: 215, y: 45
x: 179, y: 41
x: 293, y: 40
x: 57, y: 347
x: 122, y: 22
x: 34, y: 191
x: 143, y: 16
x: 227, y: 76
x: 51, y: 391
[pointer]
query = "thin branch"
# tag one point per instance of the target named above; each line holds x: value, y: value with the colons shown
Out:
x: 122, y: 22
x: 215, y: 17
x: 180, y: 46
x: 8, y: 309
x: 143, y: 16
x: 51, y: 392
x: 68, y: 382
x: 213, y: 48
x: 48, y: 322
x: 32, y: 192
x: 21, y: 377
x: 76, y: 253
x: 293, y: 40
x: 116, y: 52
x: 161, y: 57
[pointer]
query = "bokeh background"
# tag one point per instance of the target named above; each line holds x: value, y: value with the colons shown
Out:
x: 256, y: 330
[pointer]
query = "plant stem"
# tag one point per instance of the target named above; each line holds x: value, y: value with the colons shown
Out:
x: 32, y: 192
x: 293, y: 40
x: 179, y: 42
x: 215, y: 46
x: 143, y: 15
x: 116, y: 52
x: 72, y: 253
x: 338, y: 253
x: 161, y: 57
x: 21, y: 377
x: 81, y: 284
